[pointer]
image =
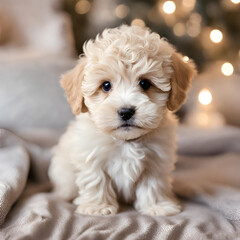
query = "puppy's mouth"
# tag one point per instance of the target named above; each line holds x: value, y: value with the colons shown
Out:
x: 127, y: 126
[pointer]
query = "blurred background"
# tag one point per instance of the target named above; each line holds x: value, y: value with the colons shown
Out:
x: 39, y: 40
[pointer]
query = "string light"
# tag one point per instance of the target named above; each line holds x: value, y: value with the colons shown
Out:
x: 195, y: 18
x: 227, y: 69
x: 194, y: 25
x: 235, y: 1
x: 179, y: 29
x: 185, y: 58
x: 121, y: 11
x: 169, y: 7
x: 205, y: 97
x: 193, y: 29
x: 189, y: 4
x: 216, y: 36
x: 82, y: 6
x: 170, y: 20
x: 138, y: 22
x: 203, y: 119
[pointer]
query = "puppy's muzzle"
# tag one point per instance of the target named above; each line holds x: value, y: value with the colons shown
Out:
x: 126, y: 114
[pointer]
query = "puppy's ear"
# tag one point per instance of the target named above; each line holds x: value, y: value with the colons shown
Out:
x: 72, y: 83
x: 183, y: 73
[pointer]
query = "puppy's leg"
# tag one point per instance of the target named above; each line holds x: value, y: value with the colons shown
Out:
x: 154, y: 197
x: 62, y: 176
x: 96, y: 194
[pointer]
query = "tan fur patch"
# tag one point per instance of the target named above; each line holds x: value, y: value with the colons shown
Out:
x: 72, y: 83
x: 180, y: 81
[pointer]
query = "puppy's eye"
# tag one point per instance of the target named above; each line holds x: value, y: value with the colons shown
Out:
x: 106, y: 86
x: 145, y: 84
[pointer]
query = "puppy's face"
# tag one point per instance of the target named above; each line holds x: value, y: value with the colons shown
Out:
x: 127, y: 79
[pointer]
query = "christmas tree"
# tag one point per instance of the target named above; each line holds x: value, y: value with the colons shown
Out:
x: 202, y: 30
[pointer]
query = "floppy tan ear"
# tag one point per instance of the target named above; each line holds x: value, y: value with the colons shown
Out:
x: 72, y: 83
x: 183, y: 73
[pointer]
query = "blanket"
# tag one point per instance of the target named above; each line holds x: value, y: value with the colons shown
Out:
x: 206, y: 182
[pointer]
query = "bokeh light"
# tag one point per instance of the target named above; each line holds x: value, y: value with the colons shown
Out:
x: 193, y: 29
x: 185, y: 58
x: 82, y: 6
x: 205, y: 97
x: 121, y: 11
x: 179, y: 29
x: 189, y: 4
x: 138, y: 22
x: 216, y: 36
x: 196, y: 18
x: 235, y: 1
x: 169, y: 7
x: 194, y: 25
x: 227, y: 69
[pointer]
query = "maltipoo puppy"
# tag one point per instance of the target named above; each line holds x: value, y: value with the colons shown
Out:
x: 121, y: 146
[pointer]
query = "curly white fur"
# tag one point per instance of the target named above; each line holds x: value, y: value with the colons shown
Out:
x: 97, y: 161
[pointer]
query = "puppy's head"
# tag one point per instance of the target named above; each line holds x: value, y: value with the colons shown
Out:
x: 127, y: 79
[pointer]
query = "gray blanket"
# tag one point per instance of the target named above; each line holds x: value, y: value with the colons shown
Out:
x: 206, y: 180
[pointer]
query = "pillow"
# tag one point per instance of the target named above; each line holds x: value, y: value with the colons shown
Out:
x: 34, y: 28
x: 31, y: 96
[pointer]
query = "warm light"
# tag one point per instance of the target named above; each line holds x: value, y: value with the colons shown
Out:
x: 235, y: 1
x: 193, y: 30
x: 211, y: 119
x: 169, y: 7
x: 179, y: 29
x: 203, y: 119
x: 189, y: 4
x: 216, y: 36
x: 185, y: 58
x: 121, y: 11
x: 195, y: 18
x: 227, y: 69
x: 82, y: 6
x: 205, y: 97
x: 138, y: 22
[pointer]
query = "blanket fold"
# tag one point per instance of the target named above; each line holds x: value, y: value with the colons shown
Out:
x: 14, y: 167
x: 206, y: 180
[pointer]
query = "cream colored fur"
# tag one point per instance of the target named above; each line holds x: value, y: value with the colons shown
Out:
x: 97, y: 162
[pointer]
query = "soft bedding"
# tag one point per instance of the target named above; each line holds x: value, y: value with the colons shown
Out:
x: 206, y: 180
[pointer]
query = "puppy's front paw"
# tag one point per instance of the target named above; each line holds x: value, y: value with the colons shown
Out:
x: 66, y: 193
x: 101, y: 209
x: 165, y: 208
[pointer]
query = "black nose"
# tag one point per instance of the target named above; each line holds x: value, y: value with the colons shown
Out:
x: 126, y: 113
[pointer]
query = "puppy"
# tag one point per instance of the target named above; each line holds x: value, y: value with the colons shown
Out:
x: 121, y: 145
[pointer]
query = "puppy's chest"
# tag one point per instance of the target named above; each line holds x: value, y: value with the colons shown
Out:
x: 125, y: 167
